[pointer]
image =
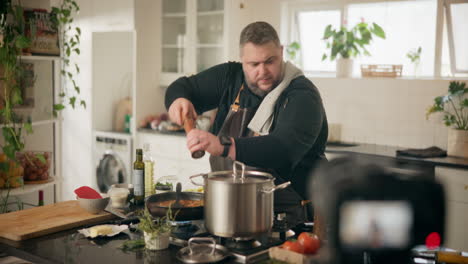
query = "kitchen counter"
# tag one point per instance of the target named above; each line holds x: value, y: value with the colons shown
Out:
x: 389, y: 152
x: 72, y: 247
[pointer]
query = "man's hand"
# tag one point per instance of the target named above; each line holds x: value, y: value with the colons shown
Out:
x: 201, y: 140
x: 181, y: 108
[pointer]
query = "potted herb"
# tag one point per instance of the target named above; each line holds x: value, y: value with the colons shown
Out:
x: 415, y: 57
x: 454, y: 107
x: 156, y: 232
x: 346, y: 44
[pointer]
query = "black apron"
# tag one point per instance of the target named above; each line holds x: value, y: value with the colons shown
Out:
x: 235, y: 125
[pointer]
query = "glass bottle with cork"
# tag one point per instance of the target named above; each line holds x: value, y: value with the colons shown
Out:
x: 149, y: 169
x: 138, y: 178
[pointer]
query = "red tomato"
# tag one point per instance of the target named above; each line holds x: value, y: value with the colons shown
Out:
x: 310, y: 242
x: 293, y: 246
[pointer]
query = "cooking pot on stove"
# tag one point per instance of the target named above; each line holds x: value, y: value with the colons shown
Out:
x: 238, y: 203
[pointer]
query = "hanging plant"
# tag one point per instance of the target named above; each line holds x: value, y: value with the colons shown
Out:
x: 69, y: 44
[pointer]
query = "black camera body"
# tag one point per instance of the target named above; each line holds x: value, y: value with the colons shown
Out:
x: 375, y: 214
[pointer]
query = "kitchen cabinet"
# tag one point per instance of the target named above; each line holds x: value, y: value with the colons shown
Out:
x: 455, y: 182
x: 173, y: 158
x: 193, y: 37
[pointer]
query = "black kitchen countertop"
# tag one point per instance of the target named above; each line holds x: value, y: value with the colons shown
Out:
x: 72, y: 247
x: 389, y: 152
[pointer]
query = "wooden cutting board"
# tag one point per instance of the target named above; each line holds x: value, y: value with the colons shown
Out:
x: 43, y: 220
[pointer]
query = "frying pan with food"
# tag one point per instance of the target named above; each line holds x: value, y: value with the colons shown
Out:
x: 184, y: 205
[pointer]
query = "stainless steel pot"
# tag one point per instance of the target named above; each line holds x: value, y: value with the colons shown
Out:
x: 238, y: 203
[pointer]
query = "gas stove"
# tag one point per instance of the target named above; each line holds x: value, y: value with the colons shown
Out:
x: 240, y: 250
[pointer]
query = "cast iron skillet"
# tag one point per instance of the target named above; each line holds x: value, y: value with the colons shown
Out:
x: 181, y: 213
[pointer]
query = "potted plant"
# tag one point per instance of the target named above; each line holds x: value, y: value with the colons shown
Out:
x: 454, y: 107
x: 156, y: 232
x: 346, y: 44
x: 415, y: 57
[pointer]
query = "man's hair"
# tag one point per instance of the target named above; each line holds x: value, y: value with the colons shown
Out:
x: 258, y: 33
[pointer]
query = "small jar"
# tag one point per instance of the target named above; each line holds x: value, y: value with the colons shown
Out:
x: 118, y: 197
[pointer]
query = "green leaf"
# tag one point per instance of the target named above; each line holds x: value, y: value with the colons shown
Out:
x: 22, y: 42
x: 328, y: 32
x: 28, y: 127
x: 77, y: 50
x: 9, y: 151
x: 70, y: 74
x: 83, y: 103
x: 68, y: 52
x: 77, y: 89
x: 72, y: 101
x: 78, y: 30
x: 464, y: 103
x: 77, y: 68
x: 41, y: 158
x: 324, y: 57
x: 378, y: 31
x: 16, y: 97
x: 58, y: 107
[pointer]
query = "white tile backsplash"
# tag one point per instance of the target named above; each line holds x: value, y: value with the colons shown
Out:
x: 384, y: 111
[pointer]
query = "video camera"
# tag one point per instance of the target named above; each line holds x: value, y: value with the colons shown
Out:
x: 372, y: 215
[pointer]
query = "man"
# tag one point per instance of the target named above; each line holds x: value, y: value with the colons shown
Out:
x: 269, y: 115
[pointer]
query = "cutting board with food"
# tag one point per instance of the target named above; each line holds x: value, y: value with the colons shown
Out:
x: 43, y: 220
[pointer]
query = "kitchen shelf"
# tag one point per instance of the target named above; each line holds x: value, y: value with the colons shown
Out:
x: 40, y: 58
x: 28, y: 188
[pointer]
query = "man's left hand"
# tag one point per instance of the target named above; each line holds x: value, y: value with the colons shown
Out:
x: 201, y: 140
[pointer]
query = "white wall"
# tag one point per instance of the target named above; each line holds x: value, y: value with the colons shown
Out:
x: 77, y: 163
x: 384, y: 111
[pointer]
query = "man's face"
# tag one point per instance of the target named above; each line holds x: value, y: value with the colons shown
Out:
x: 262, y: 65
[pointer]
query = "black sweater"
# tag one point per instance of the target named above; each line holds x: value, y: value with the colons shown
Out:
x: 299, y: 132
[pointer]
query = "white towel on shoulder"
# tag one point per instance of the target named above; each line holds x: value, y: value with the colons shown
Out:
x: 263, y: 118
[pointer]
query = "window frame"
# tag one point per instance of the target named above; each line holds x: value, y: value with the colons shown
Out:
x: 448, y: 13
x: 290, y: 30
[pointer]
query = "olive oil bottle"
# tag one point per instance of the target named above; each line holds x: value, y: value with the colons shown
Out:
x: 139, y: 178
x: 149, y: 170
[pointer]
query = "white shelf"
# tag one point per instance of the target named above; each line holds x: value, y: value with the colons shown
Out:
x: 27, y: 188
x: 211, y: 13
x: 40, y: 58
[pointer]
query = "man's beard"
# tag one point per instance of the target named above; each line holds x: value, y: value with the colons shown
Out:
x: 255, y: 89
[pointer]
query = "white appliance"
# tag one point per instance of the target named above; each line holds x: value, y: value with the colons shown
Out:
x: 112, y: 158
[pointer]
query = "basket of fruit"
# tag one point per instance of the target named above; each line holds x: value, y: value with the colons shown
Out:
x: 11, y: 173
x: 36, y: 166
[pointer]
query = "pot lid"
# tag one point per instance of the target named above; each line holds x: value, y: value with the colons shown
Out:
x: 240, y: 176
x: 202, y: 252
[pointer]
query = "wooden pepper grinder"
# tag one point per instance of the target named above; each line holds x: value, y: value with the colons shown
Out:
x: 189, y: 124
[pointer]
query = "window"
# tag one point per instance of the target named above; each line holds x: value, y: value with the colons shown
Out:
x: 311, y: 25
x: 457, y: 19
x: 408, y: 24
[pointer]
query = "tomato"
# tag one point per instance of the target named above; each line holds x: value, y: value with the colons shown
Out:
x: 293, y: 246
x: 310, y: 242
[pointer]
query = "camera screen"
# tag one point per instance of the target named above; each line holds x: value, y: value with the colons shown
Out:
x: 375, y: 224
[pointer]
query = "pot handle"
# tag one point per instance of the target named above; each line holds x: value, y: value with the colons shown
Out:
x: 210, y: 239
x: 277, y: 187
x: 195, y: 176
x: 234, y: 169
